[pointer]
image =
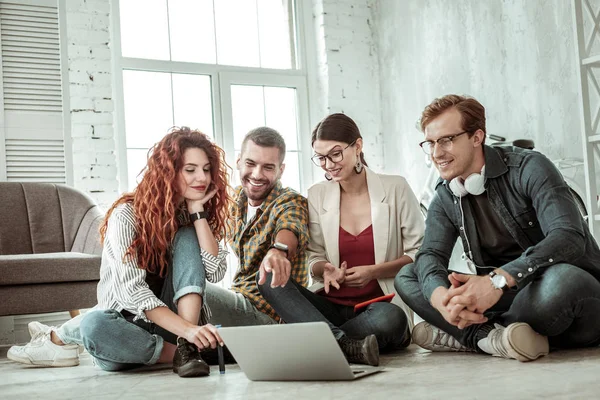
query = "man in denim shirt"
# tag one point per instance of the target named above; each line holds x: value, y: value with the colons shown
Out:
x: 535, y: 264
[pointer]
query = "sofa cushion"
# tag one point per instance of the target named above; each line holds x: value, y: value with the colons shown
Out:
x: 48, y: 268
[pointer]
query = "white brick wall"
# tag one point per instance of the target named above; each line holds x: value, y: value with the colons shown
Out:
x: 91, y: 102
x: 347, y: 81
x: 348, y: 69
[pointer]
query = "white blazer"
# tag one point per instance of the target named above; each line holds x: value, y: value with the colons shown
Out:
x: 398, y: 225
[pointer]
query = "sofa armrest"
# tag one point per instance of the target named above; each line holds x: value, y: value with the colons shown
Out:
x: 87, y: 239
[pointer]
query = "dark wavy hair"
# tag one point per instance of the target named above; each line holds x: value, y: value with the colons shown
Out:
x: 156, y: 200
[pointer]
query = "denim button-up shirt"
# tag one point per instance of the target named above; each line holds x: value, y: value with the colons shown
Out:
x: 533, y: 201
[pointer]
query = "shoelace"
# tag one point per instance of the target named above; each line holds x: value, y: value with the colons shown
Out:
x: 444, y: 339
x: 186, y: 350
x: 352, y: 348
x: 40, y: 336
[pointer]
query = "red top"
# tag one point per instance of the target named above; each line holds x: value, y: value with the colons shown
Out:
x: 357, y: 251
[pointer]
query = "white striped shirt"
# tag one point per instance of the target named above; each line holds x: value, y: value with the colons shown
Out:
x: 123, y: 284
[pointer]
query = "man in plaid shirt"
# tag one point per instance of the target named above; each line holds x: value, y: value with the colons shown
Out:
x: 269, y: 232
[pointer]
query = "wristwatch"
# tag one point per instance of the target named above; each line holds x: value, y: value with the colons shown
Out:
x: 499, y: 281
x: 198, y: 215
x: 280, y: 246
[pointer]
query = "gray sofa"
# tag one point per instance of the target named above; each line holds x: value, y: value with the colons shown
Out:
x: 49, y: 248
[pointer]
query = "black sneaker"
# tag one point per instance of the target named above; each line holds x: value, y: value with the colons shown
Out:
x: 365, y: 351
x: 187, y: 361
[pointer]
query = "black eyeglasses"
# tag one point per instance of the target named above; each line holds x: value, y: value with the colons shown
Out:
x: 445, y: 143
x: 335, y: 156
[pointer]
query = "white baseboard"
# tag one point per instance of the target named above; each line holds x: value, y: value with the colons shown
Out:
x: 13, y: 329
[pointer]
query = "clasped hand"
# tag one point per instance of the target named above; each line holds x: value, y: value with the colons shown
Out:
x: 464, y: 303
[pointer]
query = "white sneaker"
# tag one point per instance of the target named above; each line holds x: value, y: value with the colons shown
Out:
x: 431, y: 338
x: 517, y: 341
x: 35, y: 327
x: 41, y: 351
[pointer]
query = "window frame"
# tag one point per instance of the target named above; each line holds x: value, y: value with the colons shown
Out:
x: 226, y: 79
x: 221, y: 76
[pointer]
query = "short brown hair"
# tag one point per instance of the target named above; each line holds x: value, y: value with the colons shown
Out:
x: 472, y: 112
x: 264, y: 136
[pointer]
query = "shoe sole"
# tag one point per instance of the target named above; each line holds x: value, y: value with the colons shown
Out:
x: 66, y: 362
x: 527, y: 344
x: 372, y: 354
x: 421, y: 331
x: 191, y: 371
x: 425, y: 330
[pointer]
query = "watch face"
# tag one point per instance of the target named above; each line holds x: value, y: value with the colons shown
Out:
x: 499, y: 281
x: 280, y: 246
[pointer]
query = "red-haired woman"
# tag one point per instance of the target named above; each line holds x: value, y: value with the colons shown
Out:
x: 161, y: 244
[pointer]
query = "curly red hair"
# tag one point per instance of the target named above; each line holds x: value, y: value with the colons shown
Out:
x: 156, y: 200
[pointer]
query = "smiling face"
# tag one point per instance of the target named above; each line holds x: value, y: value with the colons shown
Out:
x: 260, y: 169
x: 194, y: 177
x: 464, y: 156
x: 338, y: 170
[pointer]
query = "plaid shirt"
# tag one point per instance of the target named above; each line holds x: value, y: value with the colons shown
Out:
x: 283, y: 209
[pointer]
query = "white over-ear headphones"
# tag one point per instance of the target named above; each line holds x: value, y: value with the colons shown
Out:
x: 474, y: 184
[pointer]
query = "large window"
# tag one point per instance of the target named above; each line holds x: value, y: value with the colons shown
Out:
x: 221, y: 66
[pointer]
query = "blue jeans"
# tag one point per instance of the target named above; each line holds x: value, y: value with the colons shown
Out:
x: 295, y: 303
x: 562, y: 302
x: 117, y: 343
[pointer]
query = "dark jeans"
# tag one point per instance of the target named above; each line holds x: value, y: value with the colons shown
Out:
x: 295, y: 303
x: 562, y: 302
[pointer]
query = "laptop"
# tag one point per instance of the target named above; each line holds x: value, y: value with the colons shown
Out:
x: 290, y: 352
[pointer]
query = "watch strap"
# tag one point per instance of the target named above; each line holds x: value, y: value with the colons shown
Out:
x: 198, y: 215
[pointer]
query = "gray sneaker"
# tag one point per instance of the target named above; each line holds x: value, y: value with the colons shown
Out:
x: 431, y: 338
x: 517, y: 341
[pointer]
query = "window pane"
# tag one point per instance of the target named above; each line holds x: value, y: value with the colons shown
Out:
x: 146, y: 37
x: 274, y: 33
x: 136, y: 160
x: 237, y: 33
x: 291, y: 175
x: 148, y: 107
x: 247, y: 104
x: 192, y: 102
x: 192, y: 31
x: 280, y: 111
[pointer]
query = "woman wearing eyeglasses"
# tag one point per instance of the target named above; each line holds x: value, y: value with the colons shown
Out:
x: 364, y: 227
